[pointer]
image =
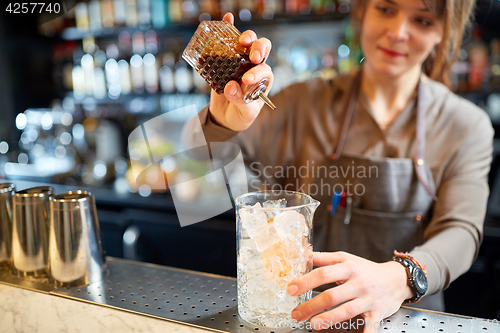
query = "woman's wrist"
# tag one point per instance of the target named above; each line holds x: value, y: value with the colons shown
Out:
x: 400, y: 279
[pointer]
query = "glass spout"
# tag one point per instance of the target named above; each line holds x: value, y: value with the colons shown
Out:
x: 313, y: 205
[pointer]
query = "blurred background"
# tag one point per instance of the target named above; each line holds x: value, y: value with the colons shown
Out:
x: 73, y: 88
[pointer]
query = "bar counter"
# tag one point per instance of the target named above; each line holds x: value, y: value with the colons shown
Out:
x: 140, y: 297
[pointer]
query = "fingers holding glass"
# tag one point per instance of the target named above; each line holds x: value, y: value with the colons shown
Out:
x: 327, y: 299
x: 318, y: 277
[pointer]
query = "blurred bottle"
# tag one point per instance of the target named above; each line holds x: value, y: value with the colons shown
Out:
x: 190, y: 11
x: 167, y: 81
x: 260, y: 6
x: 247, y: 9
x: 290, y: 6
x: 317, y: 6
x: 272, y: 8
x: 478, y: 60
x: 89, y: 45
x: 330, y: 6
x: 107, y: 14
x: 159, y: 13
x: 228, y: 6
x: 125, y: 43
x: 494, y: 81
x: 297, y: 6
x: 88, y: 73
x: 100, y: 59
x: 120, y: 12
x: 151, y: 40
x: 175, y: 11
x: 95, y: 17
x: 82, y: 16
x: 108, y: 142
x: 144, y: 14
x: 209, y: 10
x: 112, y: 51
x: 183, y: 77
x: 113, y: 78
x: 344, y: 6
x: 77, y: 75
x: 125, y: 77
x: 99, y: 83
x: 137, y: 73
x: 100, y: 90
x: 138, y: 43
x: 124, y: 68
x: 216, y: 10
x: 131, y: 15
x: 150, y: 73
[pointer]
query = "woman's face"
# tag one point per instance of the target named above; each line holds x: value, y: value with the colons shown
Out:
x: 397, y: 35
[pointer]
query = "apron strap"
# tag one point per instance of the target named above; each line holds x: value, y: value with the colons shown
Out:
x: 418, y: 160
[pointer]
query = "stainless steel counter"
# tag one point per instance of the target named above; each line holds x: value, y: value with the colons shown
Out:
x: 210, y: 301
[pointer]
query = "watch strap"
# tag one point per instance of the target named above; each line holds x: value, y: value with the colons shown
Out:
x: 410, y: 264
x: 408, y: 256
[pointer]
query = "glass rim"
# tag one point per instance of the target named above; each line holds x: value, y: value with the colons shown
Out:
x: 72, y: 196
x: 7, y: 187
x: 38, y: 191
x: 238, y: 202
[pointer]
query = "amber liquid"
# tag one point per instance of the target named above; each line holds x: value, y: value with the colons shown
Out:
x: 219, y: 70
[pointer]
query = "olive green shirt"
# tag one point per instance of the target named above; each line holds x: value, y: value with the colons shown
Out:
x: 305, y: 127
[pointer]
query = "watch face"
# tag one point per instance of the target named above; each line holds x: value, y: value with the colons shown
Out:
x: 420, y: 280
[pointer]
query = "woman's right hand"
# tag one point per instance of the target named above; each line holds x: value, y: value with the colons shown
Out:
x: 229, y: 109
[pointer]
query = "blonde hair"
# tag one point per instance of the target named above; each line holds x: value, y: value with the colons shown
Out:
x: 454, y: 15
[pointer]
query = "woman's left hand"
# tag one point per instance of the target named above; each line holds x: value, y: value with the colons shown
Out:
x: 373, y: 290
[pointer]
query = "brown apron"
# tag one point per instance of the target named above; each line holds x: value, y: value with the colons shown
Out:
x: 389, y: 203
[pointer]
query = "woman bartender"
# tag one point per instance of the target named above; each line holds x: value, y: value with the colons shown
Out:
x: 416, y: 155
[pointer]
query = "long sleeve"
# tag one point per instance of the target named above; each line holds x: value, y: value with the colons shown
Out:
x: 454, y: 234
x: 194, y: 136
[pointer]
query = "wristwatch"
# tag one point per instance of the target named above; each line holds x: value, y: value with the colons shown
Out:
x: 417, y: 276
